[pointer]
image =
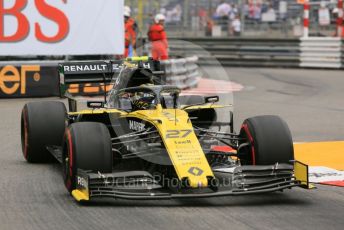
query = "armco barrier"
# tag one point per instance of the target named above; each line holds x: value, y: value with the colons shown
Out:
x: 321, y: 52
x: 241, y: 51
x: 313, y: 52
x: 183, y: 72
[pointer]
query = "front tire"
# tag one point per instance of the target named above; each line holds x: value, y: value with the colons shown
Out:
x: 87, y: 146
x: 269, y: 141
x: 42, y: 124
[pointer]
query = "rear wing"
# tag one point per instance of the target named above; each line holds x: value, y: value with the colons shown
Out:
x: 101, y: 72
x: 84, y: 72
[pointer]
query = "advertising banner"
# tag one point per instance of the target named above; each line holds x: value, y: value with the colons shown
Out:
x: 40, y: 80
x: 61, y: 27
x: 28, y: 80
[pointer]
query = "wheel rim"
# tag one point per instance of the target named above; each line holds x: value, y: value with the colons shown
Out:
x: 251, y: 141
x: 67, y: 163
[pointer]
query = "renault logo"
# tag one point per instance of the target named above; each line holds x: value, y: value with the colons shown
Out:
x: 195, y: 171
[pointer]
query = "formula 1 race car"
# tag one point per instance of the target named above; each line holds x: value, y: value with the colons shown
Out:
x: 144, y: 140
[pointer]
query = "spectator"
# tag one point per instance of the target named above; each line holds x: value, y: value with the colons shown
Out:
x: 324, y: 15
x: 233, y: 12
x: 209, y: 27
x: 177, y: 13
x: 236, y: 26
x: 251, y: 10
x: 174, y: 16
x: 283, y: 10
x: 264, y: 7
x: 245, y: 10
x: 271, y: 10
x: 222, y: 12
x: 158, y: 38
x: 223, y: 9
x: 269, y: 16
x: 257, y: 12
x: 202, y: 15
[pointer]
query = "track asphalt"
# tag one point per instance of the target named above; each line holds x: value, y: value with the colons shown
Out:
x: 311, y: 101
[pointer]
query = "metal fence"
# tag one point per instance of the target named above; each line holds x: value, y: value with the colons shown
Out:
x: 192, y: 18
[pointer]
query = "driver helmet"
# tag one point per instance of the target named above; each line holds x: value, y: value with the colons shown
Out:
x: 143, y: 100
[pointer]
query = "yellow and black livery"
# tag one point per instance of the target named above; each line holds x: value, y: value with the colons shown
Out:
x: 144, y: 140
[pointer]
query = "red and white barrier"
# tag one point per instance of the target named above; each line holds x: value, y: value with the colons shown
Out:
x: 306, y: 18
x: 340, y: 18
x: 340, y: 29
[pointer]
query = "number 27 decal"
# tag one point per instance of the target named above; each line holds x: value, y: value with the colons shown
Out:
x: 178, y: 133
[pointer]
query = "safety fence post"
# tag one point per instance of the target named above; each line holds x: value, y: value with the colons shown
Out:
x: 306, y: 18
x: 340, y: 31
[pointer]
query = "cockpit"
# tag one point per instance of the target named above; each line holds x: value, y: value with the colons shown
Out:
x: 147, y: 97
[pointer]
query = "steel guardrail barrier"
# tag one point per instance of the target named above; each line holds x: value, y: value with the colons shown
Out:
x: 325, y: 52
x: 313, y: 52
x: 183, y: 72
x: 242, y: 51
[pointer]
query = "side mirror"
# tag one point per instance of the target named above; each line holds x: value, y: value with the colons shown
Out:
x: 95, y: 104
x: 211, y: 99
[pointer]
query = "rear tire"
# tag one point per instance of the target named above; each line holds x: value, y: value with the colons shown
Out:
x: 87, y: 146
x: 42, y: 124
x: 269, y: 139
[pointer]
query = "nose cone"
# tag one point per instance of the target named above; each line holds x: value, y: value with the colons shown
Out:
x: 197, y: 178
x: 198, y: 181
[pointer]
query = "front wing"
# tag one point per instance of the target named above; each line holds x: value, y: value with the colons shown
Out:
x: 240, y: 180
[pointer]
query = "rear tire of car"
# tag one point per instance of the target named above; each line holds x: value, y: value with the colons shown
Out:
x: 87, y: 146
x: 269, y: 141
x: 42, y: 124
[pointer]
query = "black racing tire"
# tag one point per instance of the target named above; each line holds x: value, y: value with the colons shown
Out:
x: 42, y: 124
x: 269, y: 139
x: 87, y: 146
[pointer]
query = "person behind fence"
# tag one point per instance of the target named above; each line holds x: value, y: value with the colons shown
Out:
x: 236, y: 26
x: 209, y: 26
x: 233, y: 12
x: 130, y: 30
x: 257, y: 13
x: 158, y: 38
x: 323, y: 15
x: 222, y: 12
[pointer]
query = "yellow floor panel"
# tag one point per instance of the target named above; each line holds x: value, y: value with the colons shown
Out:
x: 328, y: 154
